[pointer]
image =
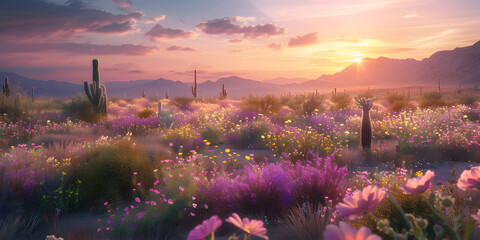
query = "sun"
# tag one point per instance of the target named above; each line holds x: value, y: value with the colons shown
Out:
x: 357, y: 60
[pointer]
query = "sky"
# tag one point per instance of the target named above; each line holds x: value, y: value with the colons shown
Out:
x: 256, y: 39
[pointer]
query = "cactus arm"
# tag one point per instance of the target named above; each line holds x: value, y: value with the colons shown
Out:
x: 87, y: 92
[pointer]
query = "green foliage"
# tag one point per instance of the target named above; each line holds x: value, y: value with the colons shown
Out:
x: 97, y: 94
x: 106, y: 172
x: 212, y: 134
x: 432, y: 100
x: 80, y: 108
x: 262, y: 104
x: 304, y: 103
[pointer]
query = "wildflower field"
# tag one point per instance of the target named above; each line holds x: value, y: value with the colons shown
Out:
x: 259, y: 167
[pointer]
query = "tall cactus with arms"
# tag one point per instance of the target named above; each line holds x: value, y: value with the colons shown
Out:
x: 223, y: 93
x: 366, y: 131
x: 97, y: 94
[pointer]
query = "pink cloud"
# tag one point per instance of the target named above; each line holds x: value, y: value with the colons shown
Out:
x: 126, y: 5
x: 159, y: 33
x: 226, y: 26
x: 303, y: 40
x: 79, y: 48
x: 33, y: 20
x: 180, y: 48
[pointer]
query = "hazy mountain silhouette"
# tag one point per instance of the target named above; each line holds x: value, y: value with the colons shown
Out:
x: 451, y: 67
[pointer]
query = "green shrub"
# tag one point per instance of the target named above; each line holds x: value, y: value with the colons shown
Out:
x: 80, y: 108
x: 212, y: 134
x: 262, y: 104
x: 304, y: 103
x: 432, y: 99
x: 106, y: 172
x: 12, y: 108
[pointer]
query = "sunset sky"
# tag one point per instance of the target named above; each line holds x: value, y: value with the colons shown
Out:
x: 258, y: 39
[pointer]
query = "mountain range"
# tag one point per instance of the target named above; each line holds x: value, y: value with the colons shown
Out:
x: 451, y: 67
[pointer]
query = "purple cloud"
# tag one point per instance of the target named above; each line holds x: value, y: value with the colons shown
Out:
x: 303, y: 40
x: 159, y: 33
x: 79, y: 48
x: 226, y: 26
x: 31, y: 20
x: 126, y: 5
x: 180, y: 48
x: 136, y: 71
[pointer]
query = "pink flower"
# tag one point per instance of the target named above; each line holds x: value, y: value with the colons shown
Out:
x: 250, y: 227
x: 470, y: 179
x: 418, y: 184
x: 347, y: 232
x: 362, y: 201
x: 477, y: 216
x: 203, y: 230
x: 137, y: 199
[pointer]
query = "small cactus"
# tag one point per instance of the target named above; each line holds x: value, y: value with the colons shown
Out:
x: 366, y: 131
x: 223, y: 93
x: 159, y: 107
x: 194, y: 87
x: 166, y: 95
x: 143, y: 94
x: 6, y: 88
x: 97, y: 94
x: 33, y: 94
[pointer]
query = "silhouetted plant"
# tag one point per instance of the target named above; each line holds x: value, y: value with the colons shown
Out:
x: 432, y: 99
x: 97, y: 94
x: 366, y: 130
x: 261, y: 104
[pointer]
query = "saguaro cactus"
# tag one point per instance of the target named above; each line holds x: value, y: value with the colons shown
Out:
x: 194, y: 87
x: 166, y: 94
x: 6, y: 88
x: 143, y: 94
x: 366, y: 131
x: 97, y: 94
x: 33, y: 94
x: 223, y: 93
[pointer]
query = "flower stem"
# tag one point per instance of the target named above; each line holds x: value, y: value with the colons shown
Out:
x: 399, y: 209
x: 451, y: 230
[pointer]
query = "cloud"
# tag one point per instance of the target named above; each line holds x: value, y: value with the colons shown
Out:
x: 159, y: 33
x: 126, y: 5
x: 136, y: 71
x: 410, y: 15
x: 275, y: 46
x: 303, y: 40
x: 226, y: 26
x: 206, y: 74
x: 156, y: 19
x: 79, y: 48
x: 31, y: 20
x: 236, y: 40
x: 180, y: 48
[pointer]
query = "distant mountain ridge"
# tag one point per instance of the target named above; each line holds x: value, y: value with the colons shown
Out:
x: 461, y: 64
x: 450, y: 66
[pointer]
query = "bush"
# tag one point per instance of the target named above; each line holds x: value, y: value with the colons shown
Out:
x: 81, y: 108
x: 145, y: 113
x: 398, y: 102
x: 249, y: 135
x: 432, y: 99
x: 106, y: 172
x: 341, y: 101
x: 12, y: 108
x: 304, y: 103
x: 467, y: 99
x: 262, y: 104
x: 182, y: 103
